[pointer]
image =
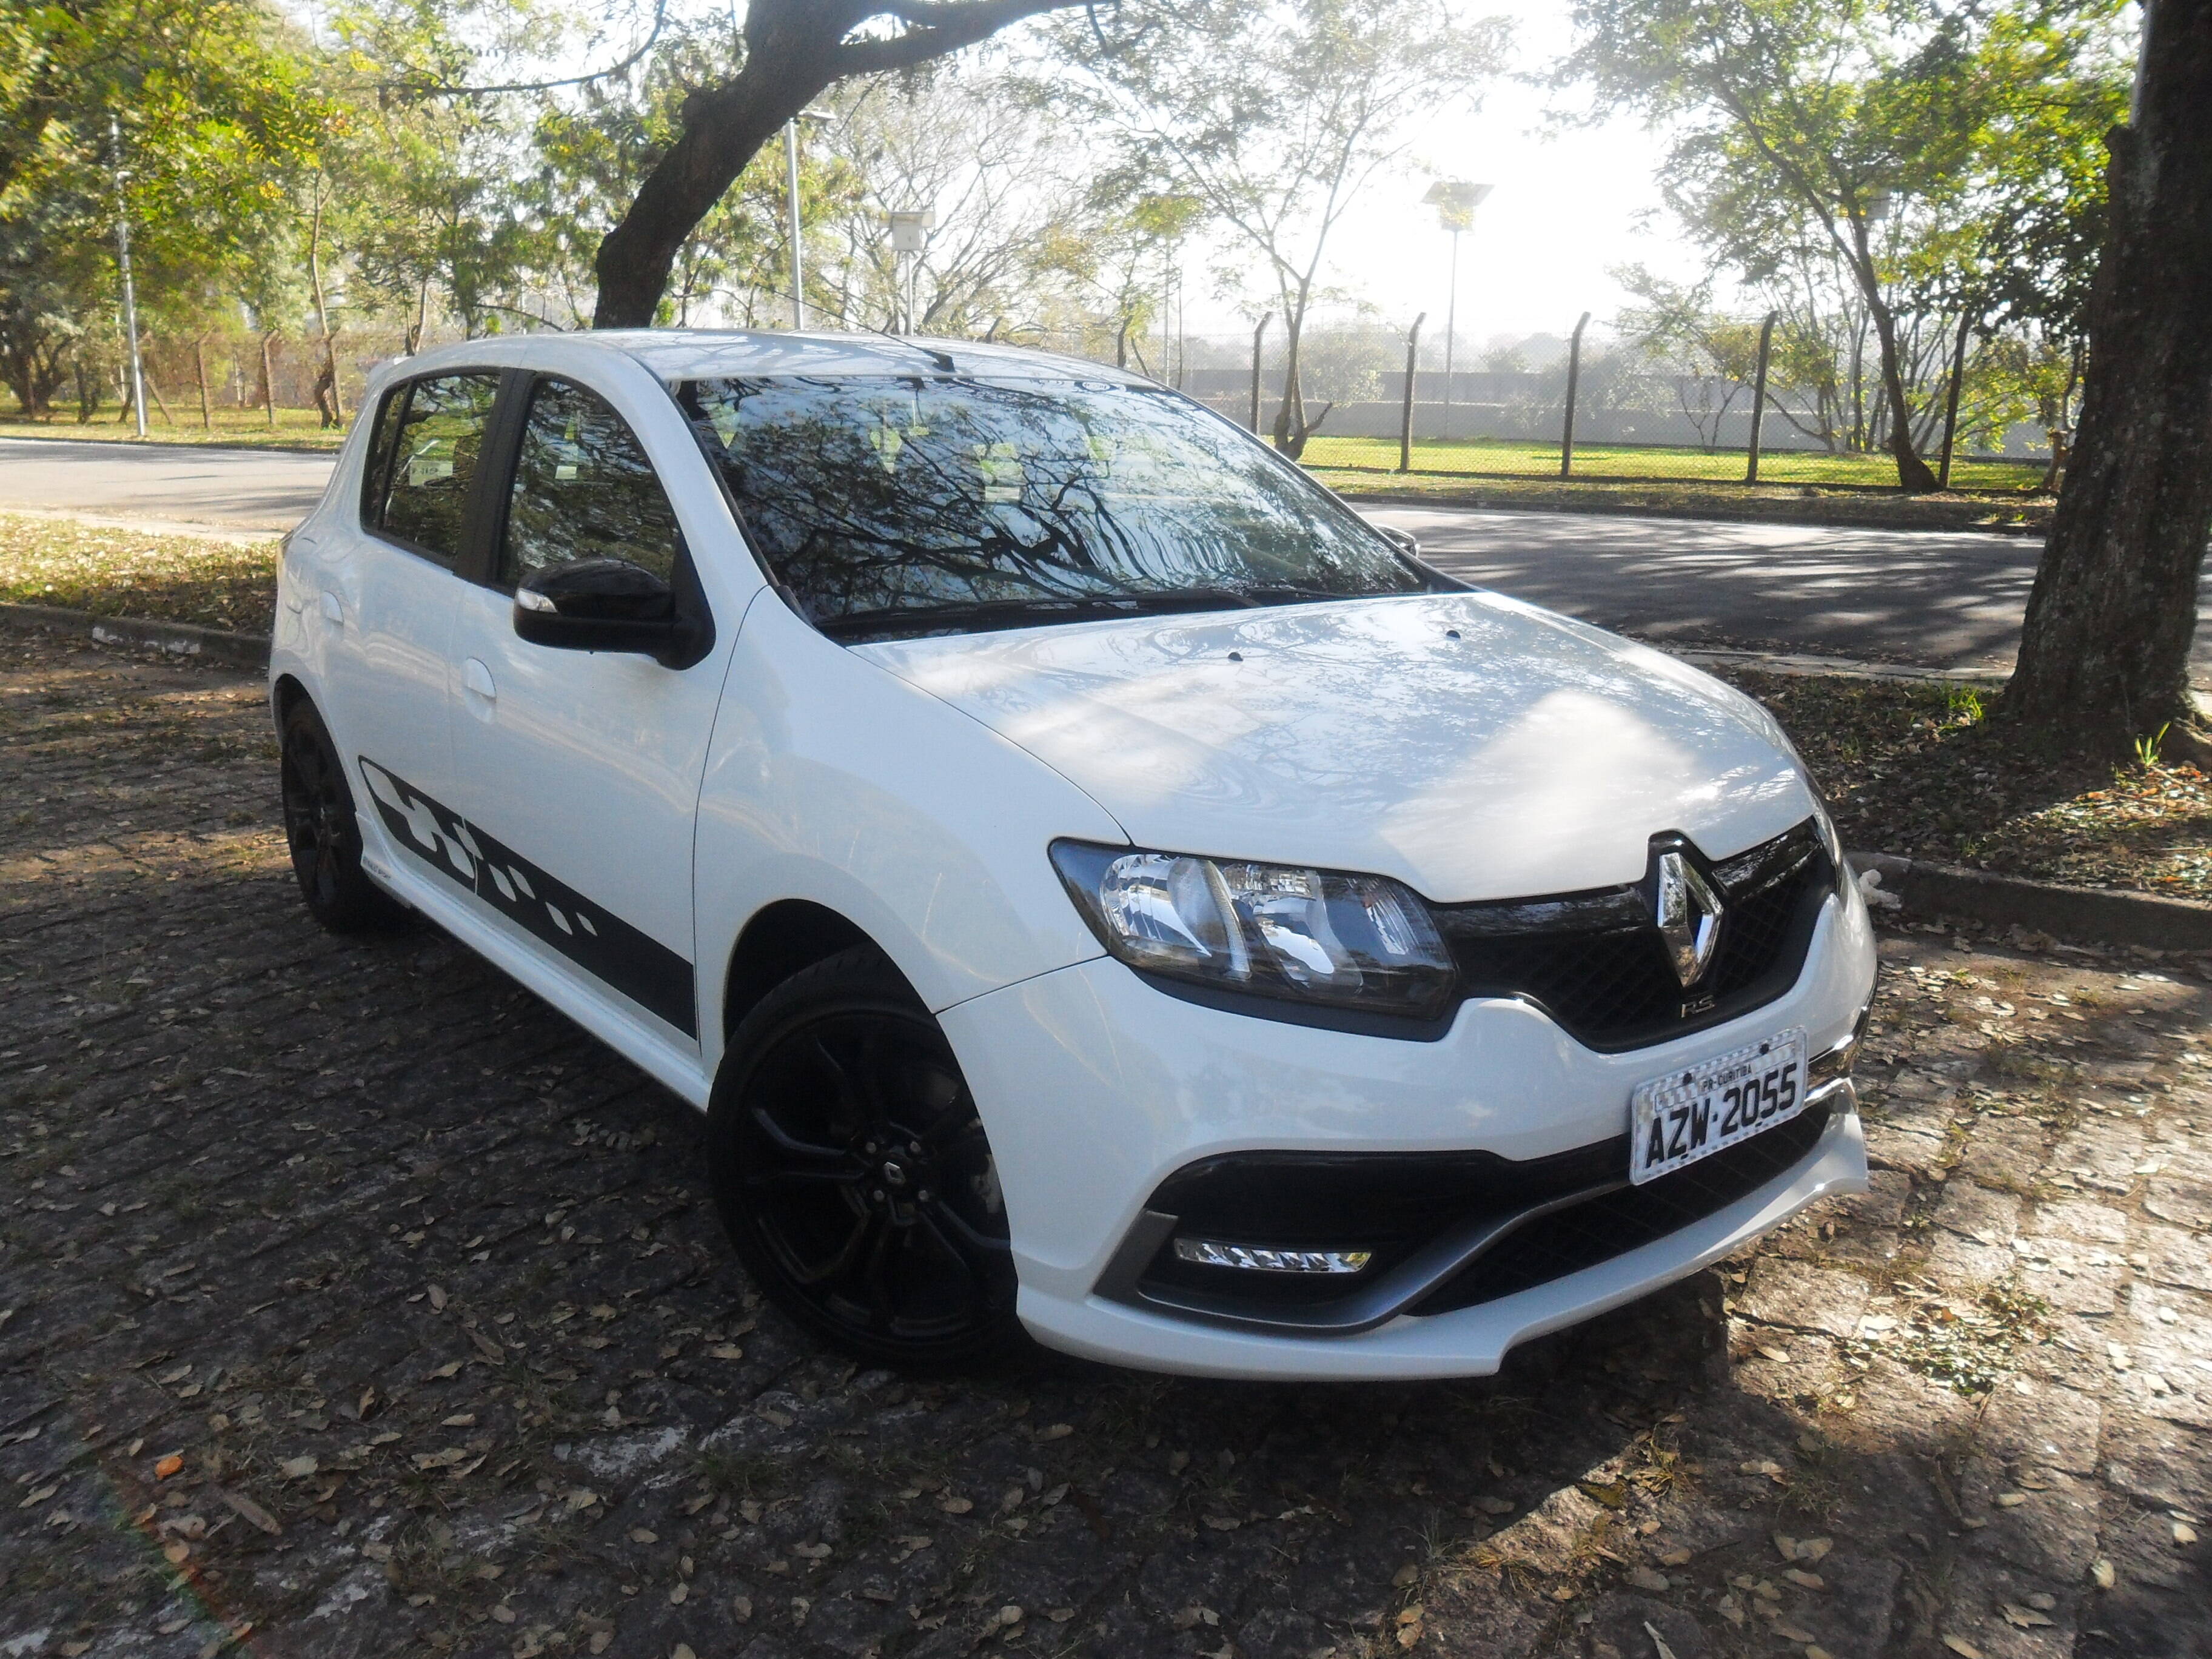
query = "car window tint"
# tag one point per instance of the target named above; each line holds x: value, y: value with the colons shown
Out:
x: 583, y: 490
x: 376, y: 471
x: 435, y: 460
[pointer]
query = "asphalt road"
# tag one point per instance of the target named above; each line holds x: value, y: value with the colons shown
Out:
x: 230, y: 489
x: 1935, y: 600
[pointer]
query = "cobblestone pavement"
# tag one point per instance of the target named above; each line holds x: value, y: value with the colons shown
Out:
x: 351, y: 1301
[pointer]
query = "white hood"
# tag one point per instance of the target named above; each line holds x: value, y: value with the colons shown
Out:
x: 1530, y: 755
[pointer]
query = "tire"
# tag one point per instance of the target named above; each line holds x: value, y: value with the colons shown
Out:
x: 321, y: 831
x: 854, y: 1177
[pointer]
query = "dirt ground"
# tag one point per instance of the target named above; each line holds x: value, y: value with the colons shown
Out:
x: 353, y: 1302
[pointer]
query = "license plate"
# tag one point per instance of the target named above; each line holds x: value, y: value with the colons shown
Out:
x: 1697, y: 1111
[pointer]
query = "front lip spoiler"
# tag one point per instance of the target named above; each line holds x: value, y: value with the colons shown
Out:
x: 1377, y: 1304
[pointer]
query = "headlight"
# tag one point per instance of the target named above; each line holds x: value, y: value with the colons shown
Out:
x: 1311, y: 936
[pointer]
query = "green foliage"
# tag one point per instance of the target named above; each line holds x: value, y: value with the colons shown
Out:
x: 1878, y: 167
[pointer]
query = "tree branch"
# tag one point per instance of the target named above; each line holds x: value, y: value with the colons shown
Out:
x: 936, y: 27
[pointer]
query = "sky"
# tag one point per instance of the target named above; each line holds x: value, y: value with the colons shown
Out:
x: 1565, y: 208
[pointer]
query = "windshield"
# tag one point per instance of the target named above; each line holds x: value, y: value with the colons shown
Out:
x: 892, y: 505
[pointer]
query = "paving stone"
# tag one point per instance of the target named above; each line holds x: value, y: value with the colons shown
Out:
x: 348, y: 1123
x: 2082, y: 1218
x: 1803, y: 1298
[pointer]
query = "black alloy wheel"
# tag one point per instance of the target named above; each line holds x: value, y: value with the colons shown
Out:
x: 853, y: 1173
x: 321, y: 832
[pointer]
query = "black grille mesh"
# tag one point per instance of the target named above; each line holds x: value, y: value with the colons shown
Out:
x: 1595, y: 963
x: 1567, y: 1240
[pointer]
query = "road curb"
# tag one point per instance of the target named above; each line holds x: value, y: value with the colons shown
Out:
x: 178, y: 639
x: 2094, y: 915
x: 1805, y: 512
x: 278, y: 447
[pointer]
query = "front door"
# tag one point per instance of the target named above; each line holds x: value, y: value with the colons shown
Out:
x: 578, y: 772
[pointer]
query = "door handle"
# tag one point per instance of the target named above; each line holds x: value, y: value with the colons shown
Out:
x: 476, y: 677
x: 332, y: 611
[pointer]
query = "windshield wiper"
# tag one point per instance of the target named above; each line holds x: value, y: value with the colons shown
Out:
x: 1045, y: 608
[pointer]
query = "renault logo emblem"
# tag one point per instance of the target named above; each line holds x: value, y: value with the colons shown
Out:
x: 1689, y: 916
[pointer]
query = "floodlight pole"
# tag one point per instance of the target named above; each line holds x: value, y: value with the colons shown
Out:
x: 130, y: 292
x: 1451, y: 330
x: 791, y: 178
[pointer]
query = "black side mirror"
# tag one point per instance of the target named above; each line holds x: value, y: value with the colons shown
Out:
x: 601, y: 604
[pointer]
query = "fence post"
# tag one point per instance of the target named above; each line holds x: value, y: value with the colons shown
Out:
x: 1951, y: 401
x: 1574, y: 379
x: 1258, y: 329
x: 1406, y: 420
x: 1758, y: 396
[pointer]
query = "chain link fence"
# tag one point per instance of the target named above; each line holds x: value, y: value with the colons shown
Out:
x: 1538, y: 407
x: 230, y: 382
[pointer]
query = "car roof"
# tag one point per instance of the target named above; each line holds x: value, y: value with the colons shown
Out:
x: 685, y: 353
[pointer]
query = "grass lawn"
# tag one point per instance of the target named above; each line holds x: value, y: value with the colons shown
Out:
x: 130, y: 573
x: 1925, y: 772
x: 1607, y: 462
x: 293, y: 427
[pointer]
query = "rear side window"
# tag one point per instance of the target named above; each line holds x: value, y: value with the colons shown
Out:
x: 377, y: 473
x: 429, y: 435
x: 583, y: 490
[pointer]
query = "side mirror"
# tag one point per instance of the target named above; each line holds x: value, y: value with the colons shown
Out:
x: 601, y: 604
x: 1403, y: 540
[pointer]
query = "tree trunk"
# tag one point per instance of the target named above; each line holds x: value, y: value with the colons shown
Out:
x: 2105, y: 651
x: 794, y: 50
x: 199, y: 363
x: 269, y: 381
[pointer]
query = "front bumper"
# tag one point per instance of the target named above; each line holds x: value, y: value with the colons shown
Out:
x: 1095, y: 1088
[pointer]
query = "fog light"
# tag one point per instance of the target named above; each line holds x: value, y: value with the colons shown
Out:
x: 1210, y: 1253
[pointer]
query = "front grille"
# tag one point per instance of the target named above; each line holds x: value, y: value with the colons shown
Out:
x: 1567, y: 1240
x: 1594, y: 961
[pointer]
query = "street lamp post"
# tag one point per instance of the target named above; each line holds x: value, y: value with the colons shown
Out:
x: 791, y: 178
x: 130, y: 291
x: 1454, y: 201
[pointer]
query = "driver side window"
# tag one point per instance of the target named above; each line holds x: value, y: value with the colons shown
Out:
x: 583, y: 490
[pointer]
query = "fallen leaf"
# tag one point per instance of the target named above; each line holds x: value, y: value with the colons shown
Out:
x: 727, y: 1350
x: 1658, y: 1642
x: 1780, y: 1357
x: 641, y: 1536
x: 1789, y: 1633
x: 1644, y: 1578
x: 1613, y: 1497
x: 501, y: 1614
x: 677, y: 1595
x: 2006, y: 1500
x: 252, y: 1512
x: 1675, y: 1559
x: 298, y: 1468
x: 459, y: 1420
x: 1805, y: 1580
x: 681, y: 1650
x: 2026, y: 1618
x: 1230, y: 1522
x: 1815, y: 1549
x: 167, y: 1466
x: 1405, y: 1576
x: 955, y: 1505
x: 438, y: 1297
x: 2102, y: 1572
x: 2184, y: 1534
x: 1962, y: 1647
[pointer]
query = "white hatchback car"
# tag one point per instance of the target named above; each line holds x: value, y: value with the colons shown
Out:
x: 1094, y: 881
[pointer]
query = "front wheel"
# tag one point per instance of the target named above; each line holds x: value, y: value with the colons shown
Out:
x: 854, y: 1177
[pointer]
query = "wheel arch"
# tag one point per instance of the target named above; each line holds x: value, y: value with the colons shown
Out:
x: 285, y: 695
x: 779, y: 940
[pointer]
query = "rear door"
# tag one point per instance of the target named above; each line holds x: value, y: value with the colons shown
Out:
x: 577, y: 773
x: 383, y: 595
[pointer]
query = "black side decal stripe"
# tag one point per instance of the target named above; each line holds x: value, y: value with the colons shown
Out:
x: 602, y: 944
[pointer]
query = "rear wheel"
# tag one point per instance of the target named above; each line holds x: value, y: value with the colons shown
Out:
x: 321, y: 831
x: 853, y: 1173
